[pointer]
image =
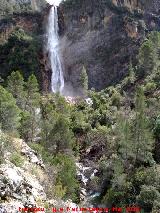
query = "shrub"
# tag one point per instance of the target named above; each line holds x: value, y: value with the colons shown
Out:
x: 157, y: 127
x: 150, y: 87
x: 17, y: 159
x: 67, y: 176
x: 116, y: 98
x: 59, y: 190
x: 156, y: 206
x: 147, y: 197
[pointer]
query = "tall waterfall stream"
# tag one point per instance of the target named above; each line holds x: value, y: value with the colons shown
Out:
x: 57, y: 80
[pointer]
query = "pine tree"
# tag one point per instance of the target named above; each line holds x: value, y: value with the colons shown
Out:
x: 147, y: 58
x: 25, y: 129
x: 33, y: 95
x: 131, y: 73
x: 15, y: 85
x: 61, y: 136
x: 31, y: 116
x: 55, y: 110
x: 84, y: 80
x: 9, y: 112
x: 124, y: 136
x: 134, y: 138
x: 141, y: 134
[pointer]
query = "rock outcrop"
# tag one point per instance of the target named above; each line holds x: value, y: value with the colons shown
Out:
x: 19, y: 187
x: 104, y: 36
x: 24, y: 187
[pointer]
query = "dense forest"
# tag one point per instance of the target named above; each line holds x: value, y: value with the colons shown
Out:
x: 117, y: 128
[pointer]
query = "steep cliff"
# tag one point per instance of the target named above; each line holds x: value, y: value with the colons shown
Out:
x: 101, y: 35
x: 104, y: 36
x: 21, y: 25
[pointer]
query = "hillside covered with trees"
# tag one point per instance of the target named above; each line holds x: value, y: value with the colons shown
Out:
x: 115, y: 130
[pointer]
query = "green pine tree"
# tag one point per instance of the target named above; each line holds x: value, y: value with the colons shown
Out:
x: 15, y: 85
x: 30, y: 121
x: 61, y: 136
x: 25, y: 129
x: 9, y: 112
x: 84, y: 80
x: 32, y: 93
x: 147, y: 58
x: 55, y: 121
x: 124, y: 137
x: 142, y: 135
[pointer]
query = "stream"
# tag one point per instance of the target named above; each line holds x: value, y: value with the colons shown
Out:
x: 85, y: 175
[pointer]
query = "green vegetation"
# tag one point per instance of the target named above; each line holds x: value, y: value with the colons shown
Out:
x: 84, y: 81
x: 16, y: 87
x: 123, y: 122
x: 17, y: 159
x: 9, y: 111
x: 24, y: 59
x: 8, y: 7
x: 67, y: 176
x: 149, y: 55
x: 6, y: 144
x: 59, y: 190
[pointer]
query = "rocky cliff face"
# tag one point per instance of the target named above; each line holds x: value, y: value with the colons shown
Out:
x: 25, y: 182
x: 29, y: 23
x: 19, y: 187
x: 11, y: 6
x: 20, y: 13
x: 27, y: 17
x: 103, y: 36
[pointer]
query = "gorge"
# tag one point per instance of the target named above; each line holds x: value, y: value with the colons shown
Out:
x: 99, y: 147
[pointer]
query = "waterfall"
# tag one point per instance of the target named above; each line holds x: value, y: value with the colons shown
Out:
x: 57, y: 80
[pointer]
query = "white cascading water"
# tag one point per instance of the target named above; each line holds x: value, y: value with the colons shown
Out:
x: 57, y: 80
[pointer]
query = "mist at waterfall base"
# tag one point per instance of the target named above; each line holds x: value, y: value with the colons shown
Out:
x: 57, y: 80
x: 54, y: 2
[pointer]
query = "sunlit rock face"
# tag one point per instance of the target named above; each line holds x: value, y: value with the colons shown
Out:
x: 104, y: 36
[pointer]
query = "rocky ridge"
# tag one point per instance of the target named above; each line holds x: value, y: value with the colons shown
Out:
x: 24, y: 187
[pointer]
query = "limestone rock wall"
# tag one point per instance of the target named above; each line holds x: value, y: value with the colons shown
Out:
x: 103, y: 36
